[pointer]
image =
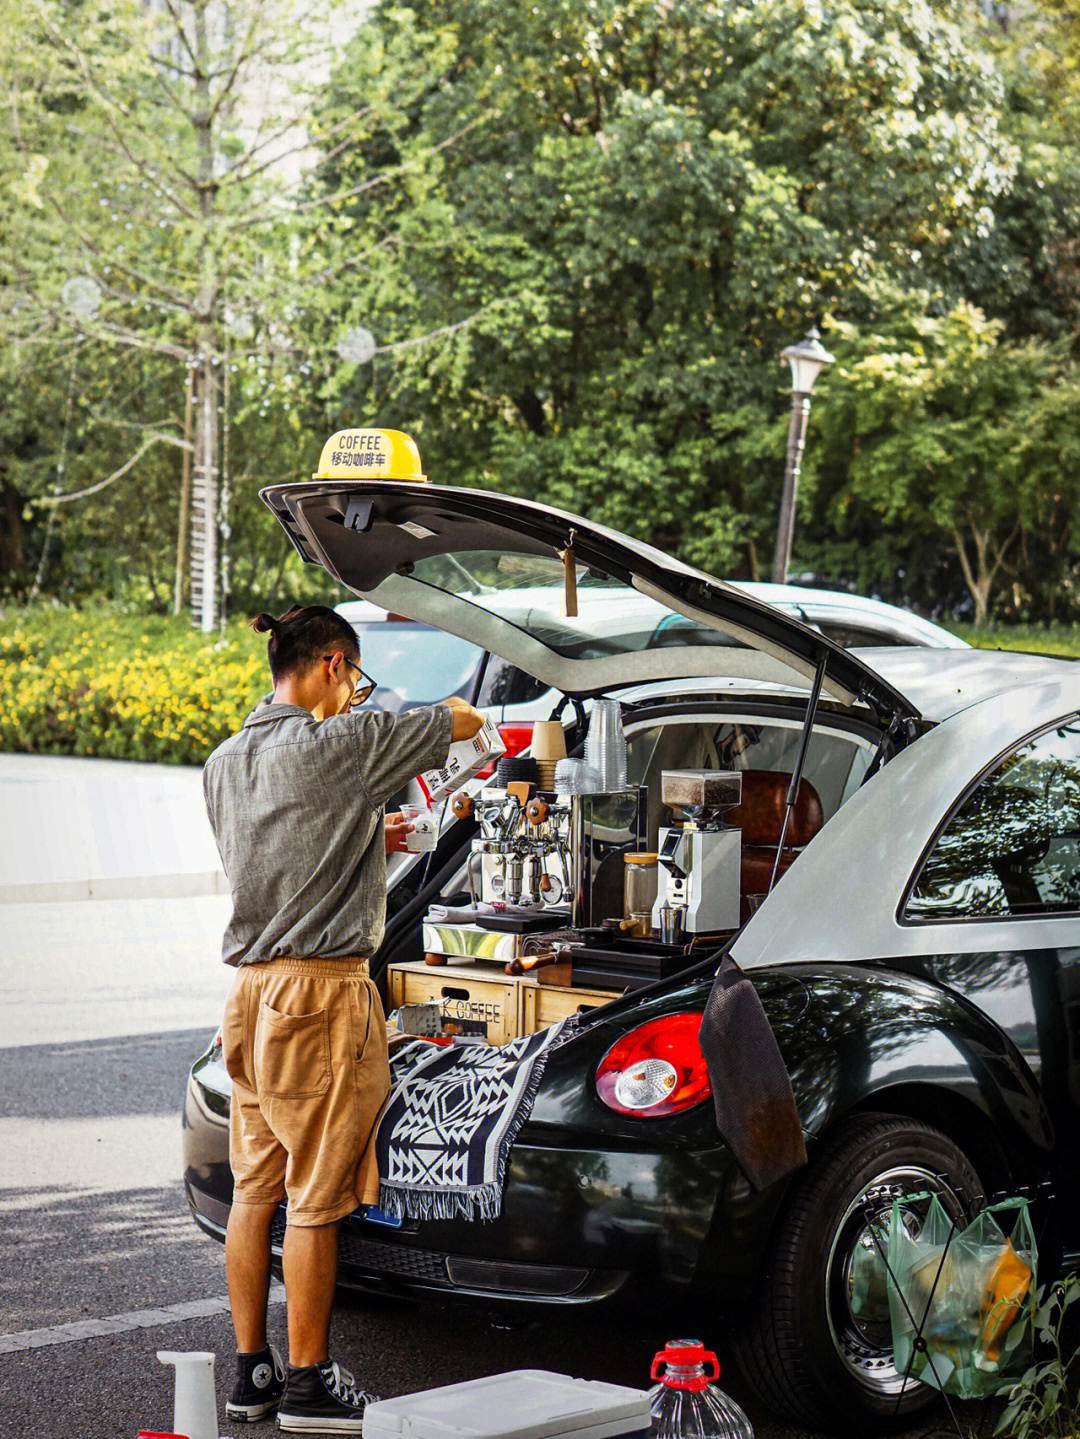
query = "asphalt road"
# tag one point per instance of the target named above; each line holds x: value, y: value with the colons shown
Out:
x: 103, y: 1004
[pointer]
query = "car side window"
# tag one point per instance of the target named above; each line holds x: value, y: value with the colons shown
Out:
x: 854, y: 637
x: 505, y: 684
x: 1013, y: 846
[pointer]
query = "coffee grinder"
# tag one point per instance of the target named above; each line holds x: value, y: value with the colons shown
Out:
x: 700, y: 857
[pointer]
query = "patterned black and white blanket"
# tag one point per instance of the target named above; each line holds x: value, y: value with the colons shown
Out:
x: 453, y: 1113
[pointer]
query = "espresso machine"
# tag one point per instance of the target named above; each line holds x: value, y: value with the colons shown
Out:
x: 525, y: 852
x: 699, y: 887
x: 523, y: 848
x: 559, y: 851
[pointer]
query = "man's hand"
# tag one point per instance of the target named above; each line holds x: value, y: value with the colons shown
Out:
x: 467, y: 721
x: 395, y: 828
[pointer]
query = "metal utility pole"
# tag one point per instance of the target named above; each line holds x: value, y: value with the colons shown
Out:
x: 806, y: 360
x: 204, y: 499
x: 185, y: 501
x: 204, y: 493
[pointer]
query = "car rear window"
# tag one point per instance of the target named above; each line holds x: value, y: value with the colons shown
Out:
x: 527, y: 591
x: 414, y: 664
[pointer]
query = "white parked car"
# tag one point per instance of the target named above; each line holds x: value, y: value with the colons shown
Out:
x: 854, y: 621
x: 415, y: 664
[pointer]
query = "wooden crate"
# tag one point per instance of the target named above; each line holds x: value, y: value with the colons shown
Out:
x: 464, y: 991
x: 545, y: 1004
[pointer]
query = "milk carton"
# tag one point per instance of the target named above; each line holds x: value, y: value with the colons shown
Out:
x: 466, y: 758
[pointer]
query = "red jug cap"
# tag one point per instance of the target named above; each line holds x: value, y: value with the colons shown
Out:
x: 685, y: 1354
x: 684, y: 1351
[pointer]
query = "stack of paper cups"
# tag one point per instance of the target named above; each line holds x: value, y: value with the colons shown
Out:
x: 548, y: 748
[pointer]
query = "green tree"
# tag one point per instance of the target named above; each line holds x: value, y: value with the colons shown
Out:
x: 944, y: 431
x: 581, y: 233
x: 159, y: 162
x: 654, y: 198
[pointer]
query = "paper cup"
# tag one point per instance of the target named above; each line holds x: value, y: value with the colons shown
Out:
x: 548, y: 740
x: 546, y: 770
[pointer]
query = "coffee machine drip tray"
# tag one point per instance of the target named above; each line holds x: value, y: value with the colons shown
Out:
x: 622, y: 967
x: 481, y: 939
x: 525, y: 923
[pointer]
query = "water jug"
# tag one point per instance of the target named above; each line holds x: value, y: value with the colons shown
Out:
x: 686, y: 1403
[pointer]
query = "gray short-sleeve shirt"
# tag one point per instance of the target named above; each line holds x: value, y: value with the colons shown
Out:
x: 296, y: 807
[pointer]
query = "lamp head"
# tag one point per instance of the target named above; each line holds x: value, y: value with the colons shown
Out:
x: 807, y: 359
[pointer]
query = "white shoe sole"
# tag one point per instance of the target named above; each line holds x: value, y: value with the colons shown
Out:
x: 251, y: 1413
x: 303, y: 1424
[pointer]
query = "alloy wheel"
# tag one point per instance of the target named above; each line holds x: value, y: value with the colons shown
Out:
x: 855, y: 1284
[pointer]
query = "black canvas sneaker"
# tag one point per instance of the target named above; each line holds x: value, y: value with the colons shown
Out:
x: 260, y: 1383
x: 323, y: 1399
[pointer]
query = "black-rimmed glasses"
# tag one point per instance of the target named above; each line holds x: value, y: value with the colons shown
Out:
x: 362, y: 691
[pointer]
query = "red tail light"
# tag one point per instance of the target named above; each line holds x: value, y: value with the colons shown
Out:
x: 656, y: 1069
x: 515, y: 737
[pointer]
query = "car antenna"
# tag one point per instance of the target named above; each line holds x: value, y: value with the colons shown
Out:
x: 800, y: 758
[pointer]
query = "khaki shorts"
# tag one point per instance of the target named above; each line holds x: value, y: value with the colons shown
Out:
x: 305, y: 1045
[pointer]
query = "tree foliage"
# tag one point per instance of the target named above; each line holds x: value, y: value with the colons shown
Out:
x: 164, y: 231
x: 581, y: 233
x: 940, y: 426
x: 656, y: 198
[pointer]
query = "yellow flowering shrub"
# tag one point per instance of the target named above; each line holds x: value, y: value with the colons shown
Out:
x: 124, y: 687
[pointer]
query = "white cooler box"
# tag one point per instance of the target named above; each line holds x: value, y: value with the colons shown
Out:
x: 524, y: 1404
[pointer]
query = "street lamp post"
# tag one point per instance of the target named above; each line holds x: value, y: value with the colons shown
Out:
x: 807, y: 359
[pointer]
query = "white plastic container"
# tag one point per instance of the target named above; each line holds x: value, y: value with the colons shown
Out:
x: 194, y: 1402
x: 524, y: 1404
x: 421, y: 838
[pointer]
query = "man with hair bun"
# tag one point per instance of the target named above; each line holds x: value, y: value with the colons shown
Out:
x: 297, y: 803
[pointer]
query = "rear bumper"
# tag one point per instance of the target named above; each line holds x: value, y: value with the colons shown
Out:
x: 369, y: 1263
x: 578, y: 1225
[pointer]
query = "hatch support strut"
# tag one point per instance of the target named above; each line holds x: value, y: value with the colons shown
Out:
x: 800, y: 759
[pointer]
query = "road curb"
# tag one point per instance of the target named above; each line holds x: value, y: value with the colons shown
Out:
x: 140, y: 886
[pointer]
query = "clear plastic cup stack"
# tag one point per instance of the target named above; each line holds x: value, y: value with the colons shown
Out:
x: 605, y: 745
x: 573, y: 776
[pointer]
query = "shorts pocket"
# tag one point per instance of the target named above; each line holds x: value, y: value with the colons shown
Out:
x: 292, y: 1053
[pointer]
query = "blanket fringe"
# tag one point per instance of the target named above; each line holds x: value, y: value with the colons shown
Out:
x: 479, y: 1204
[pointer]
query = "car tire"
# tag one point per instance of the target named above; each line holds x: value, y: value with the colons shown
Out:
x: 801, y: 1347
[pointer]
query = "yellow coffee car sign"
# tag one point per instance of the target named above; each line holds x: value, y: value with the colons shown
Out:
x: 376, y: 454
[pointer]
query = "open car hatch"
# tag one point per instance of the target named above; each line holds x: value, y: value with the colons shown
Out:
x: 490, y: 568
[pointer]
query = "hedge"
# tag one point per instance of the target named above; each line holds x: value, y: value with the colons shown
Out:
x: 120, y: 686
x: 123, y: 687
